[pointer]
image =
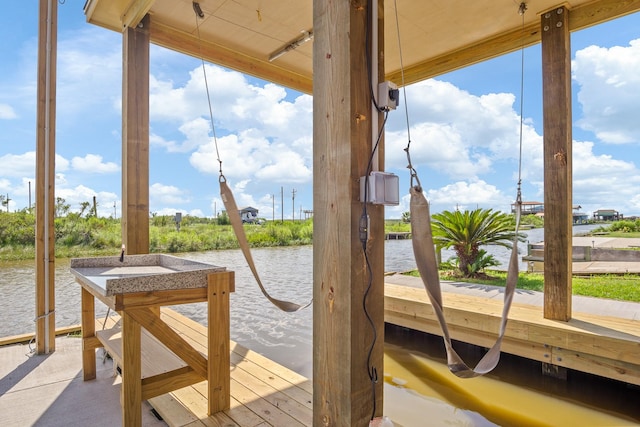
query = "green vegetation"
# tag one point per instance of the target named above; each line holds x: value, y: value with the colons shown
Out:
x: 466, y: 231
x: 618, y: 287
x: 622, y: 228
x: 533, y: 221
x: 80, y: 236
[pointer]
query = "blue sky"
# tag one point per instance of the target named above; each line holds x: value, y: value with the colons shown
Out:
x: 464, y: 126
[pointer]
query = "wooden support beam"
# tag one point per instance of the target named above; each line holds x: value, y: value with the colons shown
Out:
x: 136, y: 11
x: 556, y: 79
x: 135, y: 138
x: 180, y: 41
x: 342, y: 145
x: 88, y: 315
x: 582, y: 16
x: 218, y: 341
x: 131, y: 392
x: 45, y: 176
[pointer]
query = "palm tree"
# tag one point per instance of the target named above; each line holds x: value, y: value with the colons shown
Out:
x: 467, y: 231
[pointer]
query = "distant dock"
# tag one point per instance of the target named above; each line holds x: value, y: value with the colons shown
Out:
x: 400, y: 235
x: 593, y: 255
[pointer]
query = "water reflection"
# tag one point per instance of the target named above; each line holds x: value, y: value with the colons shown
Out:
x: 513, y: 394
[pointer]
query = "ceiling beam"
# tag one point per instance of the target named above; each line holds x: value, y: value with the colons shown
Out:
x: 179, y: 41
x: 469, y: 55
x: 582, y: 17
x: 134, y: 13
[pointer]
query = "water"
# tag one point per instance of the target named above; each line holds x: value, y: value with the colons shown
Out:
x: 287, y: 337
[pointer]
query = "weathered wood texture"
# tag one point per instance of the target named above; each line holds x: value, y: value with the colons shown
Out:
x: 135, y: 138
x: 342, y: 146
x: 45, y: 176
x: 556, y: 78
x: 600, y: 345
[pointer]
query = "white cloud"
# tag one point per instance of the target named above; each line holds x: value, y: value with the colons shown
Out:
x: 18, y: 165
x: 609, y: 83
x: 92, y: 163
x: 458, y: 134
x: 603, y: 182
x: 7, y: 112
x: 87, y: 56
x: 80, y: 194
x: 167, y: 194
x: 468, y: 195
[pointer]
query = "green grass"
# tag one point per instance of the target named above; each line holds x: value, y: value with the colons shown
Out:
x: 617, y: 287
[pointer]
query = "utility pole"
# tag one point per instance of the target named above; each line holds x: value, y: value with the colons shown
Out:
x: 115, y: 214
x: 282, y: 204
x: 7, y: 202
x: 293, y: 204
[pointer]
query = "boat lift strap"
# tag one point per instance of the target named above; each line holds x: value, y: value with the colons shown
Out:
x: 424, y: 252
x: 236, y: 222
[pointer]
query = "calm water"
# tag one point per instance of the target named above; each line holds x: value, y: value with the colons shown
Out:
x: 287, y: 338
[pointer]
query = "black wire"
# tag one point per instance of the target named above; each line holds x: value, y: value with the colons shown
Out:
x: 372, y: 371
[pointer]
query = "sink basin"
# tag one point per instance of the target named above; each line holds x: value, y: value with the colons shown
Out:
x: 141, y: 273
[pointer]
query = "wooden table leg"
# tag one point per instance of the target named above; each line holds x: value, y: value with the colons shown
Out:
x: 219, y: 381
x: 88, y: 321
x: 131, y: 372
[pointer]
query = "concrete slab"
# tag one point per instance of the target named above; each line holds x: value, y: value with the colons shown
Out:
x: 48, y: 390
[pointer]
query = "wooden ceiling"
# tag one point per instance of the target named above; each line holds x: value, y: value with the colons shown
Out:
x: 437, y: 36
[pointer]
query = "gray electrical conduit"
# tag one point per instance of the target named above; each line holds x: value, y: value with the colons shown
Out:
x: 425, y: 256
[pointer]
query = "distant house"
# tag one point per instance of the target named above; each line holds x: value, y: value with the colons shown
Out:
x: 249, y: 214
x: 579, y: 217
x: 537, y: 208
x: 529, y: 208
x: 607, y: 215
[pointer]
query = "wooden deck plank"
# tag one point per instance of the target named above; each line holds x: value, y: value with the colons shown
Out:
x: 282, y: 378
x: 263, y: 393
x: 172, y: 409
x: 602, y: 345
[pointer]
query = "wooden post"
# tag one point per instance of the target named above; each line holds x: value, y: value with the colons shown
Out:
x: 342, y: 145
x: 219, y: 359
x: 131, y: 371
x: 556, y: 78
x: 88, y: 319
x: 45, y: 177
x: 135, y: 138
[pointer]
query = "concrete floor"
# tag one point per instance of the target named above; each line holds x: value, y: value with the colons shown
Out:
x: 49, y: 391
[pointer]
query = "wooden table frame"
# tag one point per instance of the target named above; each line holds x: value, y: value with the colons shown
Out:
x: 142, y: 310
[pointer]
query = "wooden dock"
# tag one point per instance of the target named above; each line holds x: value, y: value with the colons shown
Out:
x: 262, y: 391
x: 602, y: 345
x: 399, y: 235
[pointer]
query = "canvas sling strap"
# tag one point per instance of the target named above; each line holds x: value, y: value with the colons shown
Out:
x: 424, y: 252
x: 236, y: 223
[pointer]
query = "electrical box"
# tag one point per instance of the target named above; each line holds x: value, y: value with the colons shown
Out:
x: 388, y: 96
x: 384, y: 189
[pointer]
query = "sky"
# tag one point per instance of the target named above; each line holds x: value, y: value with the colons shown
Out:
x: 464, y: 127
